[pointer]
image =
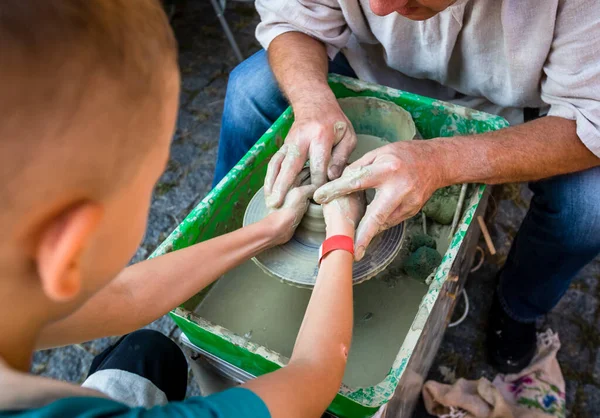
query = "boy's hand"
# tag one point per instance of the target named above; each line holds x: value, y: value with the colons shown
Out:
x: 288, y: 216
x: 344, y: 213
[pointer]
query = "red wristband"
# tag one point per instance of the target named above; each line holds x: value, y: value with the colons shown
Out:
x: 336, y: 242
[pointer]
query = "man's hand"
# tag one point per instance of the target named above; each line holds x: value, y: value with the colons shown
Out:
x: 287, y: 218
x: 321, y: 133
x: 404, y: 175
x: 343, y: 214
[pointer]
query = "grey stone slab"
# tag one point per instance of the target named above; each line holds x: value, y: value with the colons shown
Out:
x: 571, y: 388
x: 140, y: 255
x: 480, y: 288
x: 192, y: 387
x: 587, y: 279
x: 578, y: 304
x: 39, y: 362
x: 187, y: 124
x: 596, y: 367
x: 164, y: 325
x: 591, y: 402
x: 455, y: 354
x: 508, y: 205
x: 70, y: 363
x: 95, y: 347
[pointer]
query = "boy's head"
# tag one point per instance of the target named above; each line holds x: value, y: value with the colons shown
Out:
x: 88, y: 101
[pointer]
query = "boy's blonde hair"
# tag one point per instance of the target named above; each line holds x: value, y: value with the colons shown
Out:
x: 68, y: 68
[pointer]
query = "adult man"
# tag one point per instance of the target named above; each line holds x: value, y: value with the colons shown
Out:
x: 496, y: 56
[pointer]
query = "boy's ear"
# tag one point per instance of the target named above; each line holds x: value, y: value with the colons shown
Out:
x: 59, y: 248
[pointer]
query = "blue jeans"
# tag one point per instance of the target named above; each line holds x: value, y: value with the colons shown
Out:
x: 560, y: 234
x: 252, y: 103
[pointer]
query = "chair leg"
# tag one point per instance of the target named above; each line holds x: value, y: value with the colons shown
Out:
x: 228, y: 33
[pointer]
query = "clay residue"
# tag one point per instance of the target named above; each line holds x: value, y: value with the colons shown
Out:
x: 339, y: 130
x: 421, y: 263
x: 352, y: 178
x: 380, y: 118
x: 442, y: 204
x: 269, y: 313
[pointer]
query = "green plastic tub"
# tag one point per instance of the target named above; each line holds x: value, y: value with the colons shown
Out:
x: 223, y: 209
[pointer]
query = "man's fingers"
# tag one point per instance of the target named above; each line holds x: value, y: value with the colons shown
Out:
x: 273, y: 169
x: 320, y: 154
x: 298, y: 198
x: 340, y: 128
x: 400, y: 214
x: 352, y: 180
x: 290, y: 167
x: 306, y: 191
x: 303, y: 178
x: 368, y: 229
x: 341, y: 153
x: 368, y: 158
x: 376, y: 219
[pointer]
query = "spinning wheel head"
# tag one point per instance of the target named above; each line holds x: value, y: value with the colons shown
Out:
x: 296, y: 262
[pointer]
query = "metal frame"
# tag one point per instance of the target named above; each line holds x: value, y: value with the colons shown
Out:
x: 231, y: 372
x: 219, y: 7
x: 404, y: 400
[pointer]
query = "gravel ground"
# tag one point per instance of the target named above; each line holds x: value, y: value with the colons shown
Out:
x: 206, y: 60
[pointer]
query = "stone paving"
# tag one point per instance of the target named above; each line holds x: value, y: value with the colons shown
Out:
x: 206, y: 60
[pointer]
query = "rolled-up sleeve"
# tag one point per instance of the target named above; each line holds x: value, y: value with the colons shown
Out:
x: 320, y: 19
x: 572, y: 71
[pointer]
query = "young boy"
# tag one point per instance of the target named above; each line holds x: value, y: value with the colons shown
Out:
x: 88, y: 98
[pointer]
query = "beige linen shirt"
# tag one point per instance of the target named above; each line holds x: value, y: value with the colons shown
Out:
x: 498, y: 56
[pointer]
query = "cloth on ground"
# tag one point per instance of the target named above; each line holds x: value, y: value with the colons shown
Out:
x: 538, y: 391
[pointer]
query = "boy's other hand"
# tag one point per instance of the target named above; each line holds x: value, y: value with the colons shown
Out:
x: 288, y: 216
x: 343, y: 214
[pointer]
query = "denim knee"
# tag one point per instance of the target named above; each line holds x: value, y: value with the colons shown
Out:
x: 252, y: 90
x: 252, y: 103
x: 571, y: 203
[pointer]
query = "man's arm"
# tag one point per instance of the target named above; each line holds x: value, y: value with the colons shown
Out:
x: 543, y: 148
x: 300, y: 65
x: 406, y: 173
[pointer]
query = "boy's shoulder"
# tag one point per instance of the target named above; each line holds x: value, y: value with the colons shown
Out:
x: 236, y: 402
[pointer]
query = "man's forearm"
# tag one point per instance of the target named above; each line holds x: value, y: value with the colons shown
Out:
x: 539, y: 149
x: 300, y: 65
x: 145, y: 291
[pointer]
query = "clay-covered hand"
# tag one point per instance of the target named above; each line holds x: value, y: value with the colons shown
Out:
x: 324, y: 136
x: 403, y: 174
x: 287, y: 217
x: 343, y: 214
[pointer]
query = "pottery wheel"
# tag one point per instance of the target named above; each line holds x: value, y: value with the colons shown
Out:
x: 296, y: 262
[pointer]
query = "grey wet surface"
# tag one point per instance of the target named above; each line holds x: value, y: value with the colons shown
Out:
x: 206, y: 60
x: 268, y: 312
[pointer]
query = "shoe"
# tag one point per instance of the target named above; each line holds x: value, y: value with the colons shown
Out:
x: 511, y: 344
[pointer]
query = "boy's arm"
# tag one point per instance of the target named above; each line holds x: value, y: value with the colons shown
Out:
x: 308, y: 384
x: 147, y: 290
